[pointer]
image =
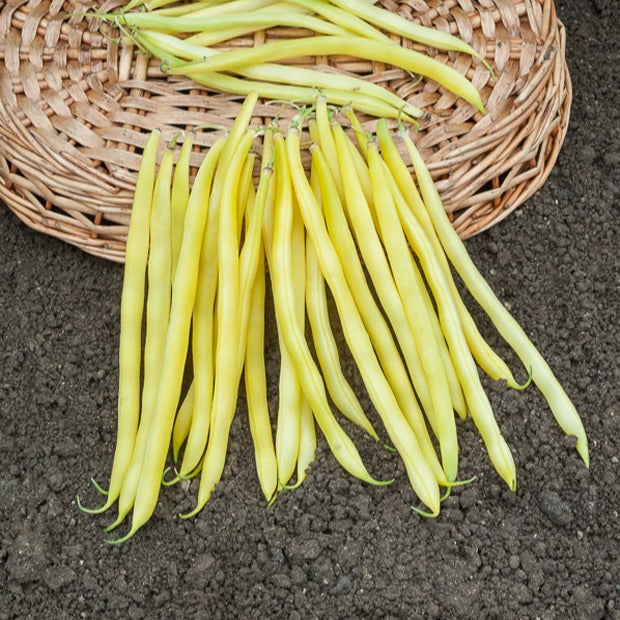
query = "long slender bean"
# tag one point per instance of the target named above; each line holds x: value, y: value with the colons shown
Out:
x: 346, y: 19
x: 227, y: 358
x: 420, y: 474
x: 376, y: 325
x: 283, y: 290
x: 563, y: 409
x: 177, y: 337
x: 416, y: 311
x: 492, y: 364
x: 392, y: 22
x: 255, y: 377
x: 362, y: 138
x: 347, y: 45
x: 132, y: 305
x: 409, y: 323
x: 254, y: 20
x: 290, y: 393
x: 157, y: 316
x: 179, y: 198
x: 338, y: 84
x: 203, y: 337
x: 256, y: 391
x: 326, y: 348
x: 478, y: 403
x: 182, y: 422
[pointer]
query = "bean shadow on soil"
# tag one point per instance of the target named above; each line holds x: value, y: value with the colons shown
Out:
x: 335, y: 548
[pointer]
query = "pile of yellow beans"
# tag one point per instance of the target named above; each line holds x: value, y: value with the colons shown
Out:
x: 357, y: 224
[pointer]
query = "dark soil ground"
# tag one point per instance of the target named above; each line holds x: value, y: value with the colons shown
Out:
x: 335, y: 548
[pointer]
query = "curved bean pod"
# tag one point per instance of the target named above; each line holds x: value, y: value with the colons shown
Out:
x: 132, y: 306
x: 420, y: 474
x: 183, y: 294
x: 563, y: 409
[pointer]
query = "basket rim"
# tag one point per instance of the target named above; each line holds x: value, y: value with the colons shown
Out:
x: 504, y: 157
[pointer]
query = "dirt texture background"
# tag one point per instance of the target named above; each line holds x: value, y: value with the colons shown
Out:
x: 336, y: 548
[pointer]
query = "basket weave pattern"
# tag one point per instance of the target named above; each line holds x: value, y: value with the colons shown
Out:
x: 76, y: 108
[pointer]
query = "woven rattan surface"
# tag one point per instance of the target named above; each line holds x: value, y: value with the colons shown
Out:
x: 76, y: 109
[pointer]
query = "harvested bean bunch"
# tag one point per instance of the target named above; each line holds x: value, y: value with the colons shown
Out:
x: 357, y: 224
x: 194, y: 40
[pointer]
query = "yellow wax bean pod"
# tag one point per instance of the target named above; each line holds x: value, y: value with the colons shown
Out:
x: 243, y: 22
x: 256, y: 391
x: 307, y: 442
x: 227, y: 7
x: 411, y: 332
x: 228, y: 363
x: 132, y: 306
x: 290, y: 393
x: 247, y: 193
x: 305, y: 439
x: 402, y: 436
x: 326, y: 348
x: 284, y: 301
x: 563, y: 409
x: 255, y: 377
x: 251, y: 271
x: 410, y: 292
x: 179, y: 199
x: 203, y: 334
x: 157, y: 316
x: 350, y: 23
x: 321, y: 45
x: 392, y: 22
x: 492, y: 364
x: 175, y: 351
x: 182, y: 422
x: 376, y: 325
x: 477, y: 401
x: 325, y: 345
x: 275, y: 78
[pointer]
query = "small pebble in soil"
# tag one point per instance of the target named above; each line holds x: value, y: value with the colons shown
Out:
x: 555, y: 509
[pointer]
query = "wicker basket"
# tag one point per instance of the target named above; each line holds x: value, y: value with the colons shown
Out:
x: 76, y: 108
